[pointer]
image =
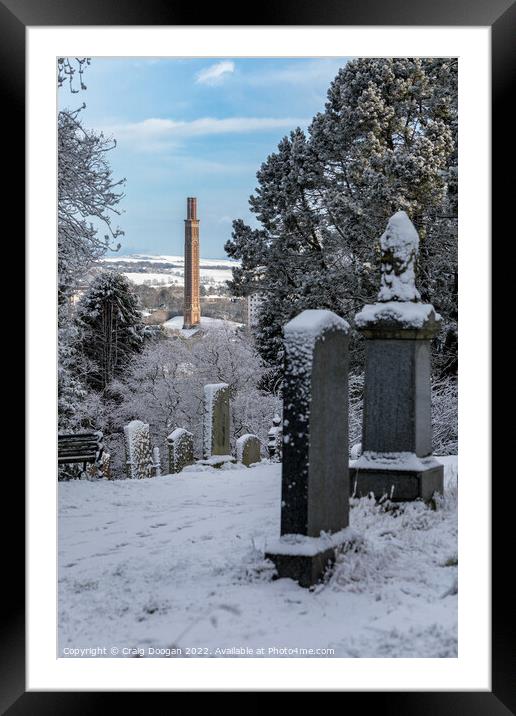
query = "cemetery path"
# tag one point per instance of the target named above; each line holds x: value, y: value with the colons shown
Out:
x: 177, y: 562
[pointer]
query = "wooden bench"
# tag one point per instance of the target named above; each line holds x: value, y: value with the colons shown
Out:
x: 79, y: 447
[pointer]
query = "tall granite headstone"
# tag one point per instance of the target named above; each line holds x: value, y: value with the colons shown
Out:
x: 396, y: 455
x: 315, y: 477
x: 216, y: 421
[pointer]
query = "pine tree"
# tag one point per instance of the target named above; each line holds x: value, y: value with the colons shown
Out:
x: 386, y: 141
x: 111, y: 328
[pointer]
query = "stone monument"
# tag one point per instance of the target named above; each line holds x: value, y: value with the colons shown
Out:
x: 180, y: 450
x: 139, y: 463
x: 275, y: 440
x: 396, y: 457
x: 248, y: 449
x: 216, y: 420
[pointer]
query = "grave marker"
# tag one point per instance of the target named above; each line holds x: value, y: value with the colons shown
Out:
x: 315, y: 477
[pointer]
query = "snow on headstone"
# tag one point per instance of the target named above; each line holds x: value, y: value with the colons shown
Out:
x: 315, y: 484
x: 248, y: 449
x: 180, y: 450
x: 138, y: 450
x: 216, y: 420
x: 400, y: 245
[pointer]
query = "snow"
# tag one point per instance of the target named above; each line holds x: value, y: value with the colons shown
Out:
x: 178, y: 562
x: 309, y: 546
x: 217, y: 460
x: 213, y: 272
x: 400, y: 246
x: 313, y: 322
x: 207, y: 324
x: 394, y: 461
x: 163, y: 258
x: 177, y: 434
x: 301, y: 334
x: 407, y: 314
x: 153, y: 279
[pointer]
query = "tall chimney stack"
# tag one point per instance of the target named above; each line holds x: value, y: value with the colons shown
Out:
x: 192, y: 301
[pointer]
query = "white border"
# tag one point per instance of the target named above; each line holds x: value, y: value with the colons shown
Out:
x: 471, y: 670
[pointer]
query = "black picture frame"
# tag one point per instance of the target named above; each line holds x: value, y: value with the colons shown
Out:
x: 500, y: 16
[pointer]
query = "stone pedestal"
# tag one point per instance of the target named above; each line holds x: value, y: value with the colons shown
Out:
x: 397, y: 425
x: 315, y: 478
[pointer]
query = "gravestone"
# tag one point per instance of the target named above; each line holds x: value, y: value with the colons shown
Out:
x: 138, y: 451
x: 156, y: 462
x: 180, y: 450
x: 105, y: 465
x: 216, y: 420
x: 396, y: 457
x: 315, y: 477
x: 275, y: 440
x: 248, y: 449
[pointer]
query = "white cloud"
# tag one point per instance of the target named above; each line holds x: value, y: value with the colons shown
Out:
x: 214, y: 74
x: 315, y: 72
x: 153, y: 131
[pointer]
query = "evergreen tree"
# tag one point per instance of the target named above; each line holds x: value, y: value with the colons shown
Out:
x: 386, y: 141
x: 111, y: 328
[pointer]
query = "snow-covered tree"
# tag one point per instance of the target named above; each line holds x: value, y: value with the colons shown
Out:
x: 385, y: 142
x: 163, y: 386
x: 68, y: 68
x: 111, y: 328
x: 88, y: 197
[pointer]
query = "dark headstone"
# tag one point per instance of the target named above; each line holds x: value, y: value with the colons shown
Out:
x: 216, y: 420
x: 315, y: 477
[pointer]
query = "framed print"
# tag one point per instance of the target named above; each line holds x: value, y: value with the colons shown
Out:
x: 236, y: 353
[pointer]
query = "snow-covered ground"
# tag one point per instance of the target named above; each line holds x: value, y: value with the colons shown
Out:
x: 154, y: 279
x: 167, y: 259
x: 176, y: 562
x: 214, y: 272
x: 175, y: 324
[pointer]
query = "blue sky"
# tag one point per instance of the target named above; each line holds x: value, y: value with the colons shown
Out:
x: 195, y: 127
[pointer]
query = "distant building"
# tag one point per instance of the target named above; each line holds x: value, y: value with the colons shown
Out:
x: 254, y: 302
x: 192, y: 301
